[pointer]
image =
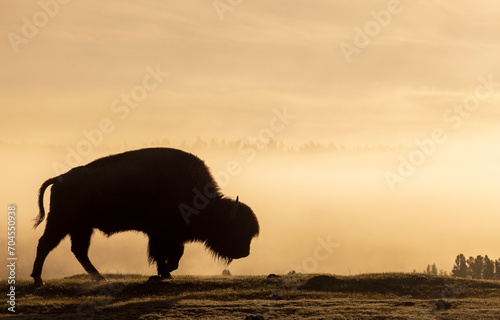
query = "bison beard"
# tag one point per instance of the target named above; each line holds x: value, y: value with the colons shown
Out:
x: 143, y: 190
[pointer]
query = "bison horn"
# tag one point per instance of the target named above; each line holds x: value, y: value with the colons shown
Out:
x: 234, y: 209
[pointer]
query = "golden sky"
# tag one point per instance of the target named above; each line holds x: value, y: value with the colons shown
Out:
x: 229, y: 66
x: 352, y: 72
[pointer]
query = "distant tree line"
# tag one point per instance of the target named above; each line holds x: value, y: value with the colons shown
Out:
x: 433, y: 270
x: 273, y: 145
x: 477, y: 268
x: 268, y: 144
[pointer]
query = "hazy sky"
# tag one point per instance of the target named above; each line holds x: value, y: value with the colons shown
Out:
x: 355, y: 72
x: 229, y: 67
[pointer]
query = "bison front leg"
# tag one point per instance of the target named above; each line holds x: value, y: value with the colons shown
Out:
x: 174, y: 255
x: 157, y: 251
x: 160, y: 252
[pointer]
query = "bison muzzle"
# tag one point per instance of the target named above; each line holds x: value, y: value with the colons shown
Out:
x: 168, y: 194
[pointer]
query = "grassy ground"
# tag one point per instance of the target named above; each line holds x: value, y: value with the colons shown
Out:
x: 374, y: 296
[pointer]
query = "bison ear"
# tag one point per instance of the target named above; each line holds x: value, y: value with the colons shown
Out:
x: 234, y: 209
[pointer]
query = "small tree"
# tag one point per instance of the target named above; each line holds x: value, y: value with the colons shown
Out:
x: 488, y: 268
x: 434, y: 269
x: 470, y: 266
x: 477, y: 267
x: 460, y: 267
x: 431, y: 269
x: 497, y: 269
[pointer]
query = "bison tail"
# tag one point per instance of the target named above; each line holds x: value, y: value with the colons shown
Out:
x: 41, y: 214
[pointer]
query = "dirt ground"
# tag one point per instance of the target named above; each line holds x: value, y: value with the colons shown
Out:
x: 389, y: 296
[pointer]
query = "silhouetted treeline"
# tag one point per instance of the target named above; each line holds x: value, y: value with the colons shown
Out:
x: 477, y: 268
x: 277, y: 146
x: 268, y: 145
x: 433, y: 270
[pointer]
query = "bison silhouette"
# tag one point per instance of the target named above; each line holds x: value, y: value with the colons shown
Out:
x: 168, y: 194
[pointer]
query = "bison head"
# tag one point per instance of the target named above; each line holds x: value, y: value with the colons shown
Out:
x: 233, y: 227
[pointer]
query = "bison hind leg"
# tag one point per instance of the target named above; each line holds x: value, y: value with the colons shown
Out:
x: 48, y: 241
x: 80, y: 242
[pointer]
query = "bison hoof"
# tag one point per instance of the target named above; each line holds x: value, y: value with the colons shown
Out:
x: 98, y: 277
x: 160, y: 278
x: 154, y: 278
x: 39, y: 283
x: 167, y: 276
